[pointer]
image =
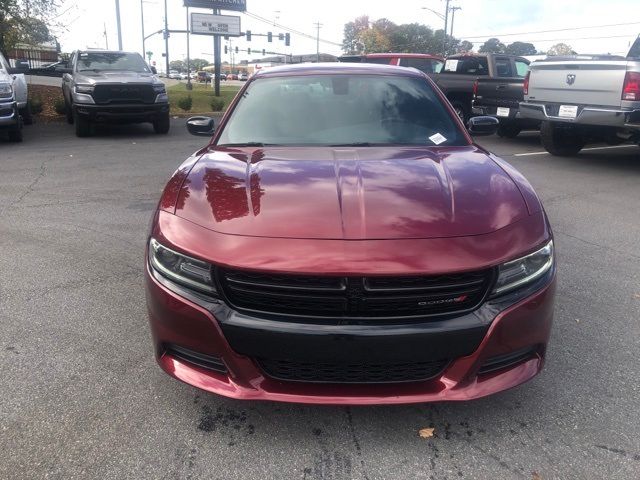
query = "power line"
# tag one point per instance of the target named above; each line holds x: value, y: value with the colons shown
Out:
x: 561, y: 39
x: 497, y: 35
x: 289, y: 29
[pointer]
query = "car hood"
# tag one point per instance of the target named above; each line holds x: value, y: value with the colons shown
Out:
x: 93, y: 78
x: 350, y: 193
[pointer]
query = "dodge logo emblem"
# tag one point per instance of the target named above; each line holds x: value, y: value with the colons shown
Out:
x: 571, y: 78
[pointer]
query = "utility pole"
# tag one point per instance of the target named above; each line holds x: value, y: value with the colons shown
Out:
x: 217, y: 61
x: 119, y: 26
x: 166, y: 36
x: 446, y: 24
x: 144, y: 41
x: 189, y: 85
x: 453, y: 16
x: 318, y: 26
x: 106, y: 38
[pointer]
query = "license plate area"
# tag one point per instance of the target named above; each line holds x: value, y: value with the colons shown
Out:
x: 568, y: 111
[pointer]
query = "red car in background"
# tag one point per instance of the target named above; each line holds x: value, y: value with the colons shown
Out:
x: 342, y: 240
x: 426, y: 63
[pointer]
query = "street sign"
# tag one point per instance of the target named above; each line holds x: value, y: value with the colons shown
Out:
x: 236, y: 5
x: 207, y: 24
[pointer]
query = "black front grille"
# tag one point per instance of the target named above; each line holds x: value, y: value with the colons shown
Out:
x: 355, y: 297
x: 200, y: 359
x: 507, y: 360
x: 123, y: 94
x: 352, y: 372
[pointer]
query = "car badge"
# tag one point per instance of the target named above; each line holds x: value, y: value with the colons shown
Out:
x: 571, y: 78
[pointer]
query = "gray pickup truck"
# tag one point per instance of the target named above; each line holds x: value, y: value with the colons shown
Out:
x: 583, y: 100
x: 115, y: 87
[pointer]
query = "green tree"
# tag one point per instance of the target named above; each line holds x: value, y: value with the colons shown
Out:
x: 198, y: 64
x: 25, y: 21
x: 178, y: 65
x: 493, y: 45
x: 464, y: 46
x: 352, y: 42
x: 561, y: 49
x: 521, y: 48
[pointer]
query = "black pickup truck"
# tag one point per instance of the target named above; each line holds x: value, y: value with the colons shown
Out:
x: 460, y: 72
x: 500, y: 97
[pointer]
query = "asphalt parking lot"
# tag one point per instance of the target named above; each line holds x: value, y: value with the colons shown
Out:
x: 81, y: 395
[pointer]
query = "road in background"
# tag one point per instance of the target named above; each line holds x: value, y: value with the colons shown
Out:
x: 83, y: 398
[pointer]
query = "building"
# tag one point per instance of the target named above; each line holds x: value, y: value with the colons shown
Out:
x: 36, y: 55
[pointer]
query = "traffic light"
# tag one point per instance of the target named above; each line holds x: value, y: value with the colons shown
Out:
x: 248, y: 35
x: 264, y: 52
x: 237, y: 50
x: 269, y: 37
x: 166, y: 34
x: 249, y: 51
x: 287, y: 39
x: 281, y: 36
x: 226, y: 49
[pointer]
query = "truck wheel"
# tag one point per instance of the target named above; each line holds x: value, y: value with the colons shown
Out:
x: 15, y: 135
x: 68, y: 111
x: 509, y: 130
x: 561, y: 142
x: 83, y: 126
x: 26, y: 114
x: 162, y: 125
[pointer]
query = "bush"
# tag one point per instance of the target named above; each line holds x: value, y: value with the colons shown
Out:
x: 59, y: 106
x: 185, y: 103
x: 36, y: 105
x: 217, y: 104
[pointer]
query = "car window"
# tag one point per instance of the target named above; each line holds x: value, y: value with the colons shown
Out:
x: 634, y: 52
x: 378, y: 60
x: 341, y: 110
x: 105, y: 61
x: 3, y: 63
x: 426, y: 65
x: 467, y: 66
x: 503, y: 67
x: 521, y: 68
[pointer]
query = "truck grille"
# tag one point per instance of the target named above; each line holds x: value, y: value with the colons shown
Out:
x: 351, y: 373
x: 123, y: 94
x: 343, y: 298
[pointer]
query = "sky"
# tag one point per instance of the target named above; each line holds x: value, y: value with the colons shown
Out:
x: 617, y: 22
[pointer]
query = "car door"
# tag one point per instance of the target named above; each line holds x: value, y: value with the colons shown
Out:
x: 67, y: 79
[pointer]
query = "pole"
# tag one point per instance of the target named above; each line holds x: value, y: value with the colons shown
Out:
x: 166, y: 37
x: 318, y: 25
x: 106, y: 38
x: 446, y: 24
x: 217, y: 60
x: 453, y: 16
x: 144, y: 40
x: 119, y: 26
x: 189, y: 85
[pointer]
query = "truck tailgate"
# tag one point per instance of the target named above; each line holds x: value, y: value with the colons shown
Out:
x: 499, y: 92
x: 595, y: 82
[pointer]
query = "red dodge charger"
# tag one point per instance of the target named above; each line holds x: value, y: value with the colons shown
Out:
x: 342, y: 240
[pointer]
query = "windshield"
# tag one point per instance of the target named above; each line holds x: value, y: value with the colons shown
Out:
x: 635, y: 49
x: 105, y: 61
x: 335, y: 110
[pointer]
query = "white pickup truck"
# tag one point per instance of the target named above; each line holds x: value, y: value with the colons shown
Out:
x: 584, y: 100
x: 13, y: 101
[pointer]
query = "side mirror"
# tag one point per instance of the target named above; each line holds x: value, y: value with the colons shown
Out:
x: 154, y: 70
x: 482, y: 126
x: 201, y: 126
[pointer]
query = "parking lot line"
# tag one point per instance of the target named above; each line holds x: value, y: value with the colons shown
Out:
x: 583, y: 150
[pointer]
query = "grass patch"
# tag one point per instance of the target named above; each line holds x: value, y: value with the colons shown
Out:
x: 201, y: 95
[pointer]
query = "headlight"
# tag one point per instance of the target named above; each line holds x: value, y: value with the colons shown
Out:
x: 6, y: 90
x: 159, y: 88
x: 84, y: 89
x: 524, y: 270
x: 181, y: 269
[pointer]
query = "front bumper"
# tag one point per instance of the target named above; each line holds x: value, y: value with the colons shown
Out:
x: 475, y: 343
x: 127, y: 113
x: 587, y: 115
x: 9, y: 115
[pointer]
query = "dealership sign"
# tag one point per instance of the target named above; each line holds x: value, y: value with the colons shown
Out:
x: 236, y: 5
x: 207, y: 24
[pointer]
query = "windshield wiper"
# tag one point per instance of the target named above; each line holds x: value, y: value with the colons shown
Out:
x: 357, y: 144
x: 246, y: 144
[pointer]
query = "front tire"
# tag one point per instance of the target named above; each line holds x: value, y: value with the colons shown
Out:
x: 561, y: 142
x: 68, y: 111
x: 462, y: 111
x: 15, y: 135
x: 27, y: 115
x: 161, y: 125
x: 508, y: 130
x: 83, y: 126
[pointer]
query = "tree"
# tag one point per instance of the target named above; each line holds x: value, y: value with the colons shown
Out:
x: 198, y: 64
x: 464, y: 46
x: 352, y: 43
x: 25, y: 21
x: 493, y: 45
x: 178, y: 65
x: 561, y: 49
x: 521, y: 48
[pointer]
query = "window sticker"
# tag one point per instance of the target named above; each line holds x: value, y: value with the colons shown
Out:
x: 437, y: 139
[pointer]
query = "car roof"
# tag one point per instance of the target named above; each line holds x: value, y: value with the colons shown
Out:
x: 105, y: 51
x: 337, y: 68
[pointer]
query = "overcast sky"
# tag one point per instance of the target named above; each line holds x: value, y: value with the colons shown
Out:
x: 86, y: 21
